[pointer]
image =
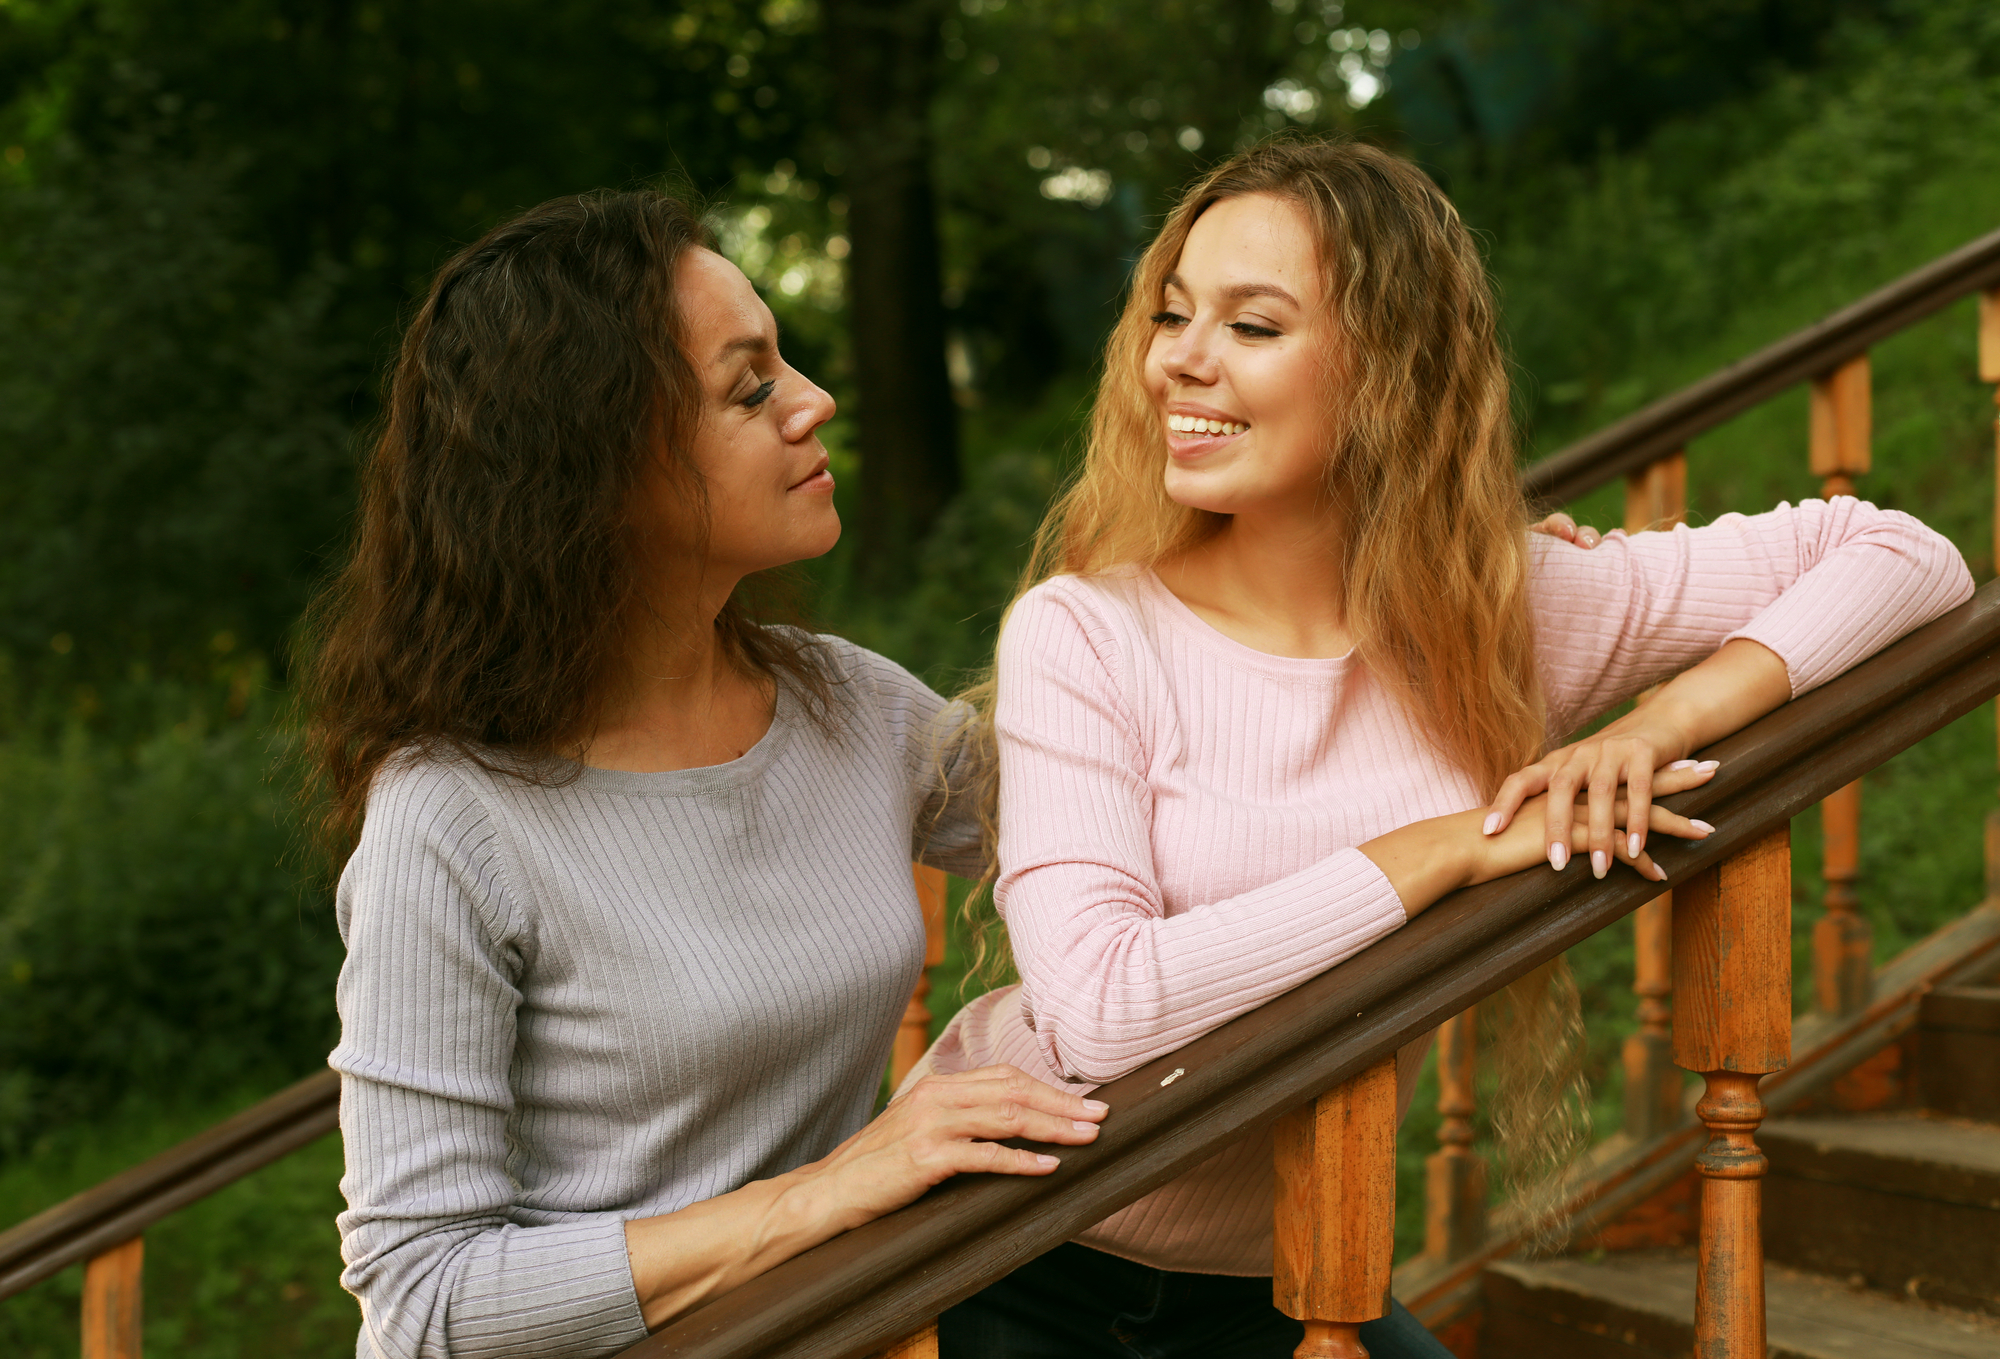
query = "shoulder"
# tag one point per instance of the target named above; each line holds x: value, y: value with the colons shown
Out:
x: 434, y: 824
x: 1102, y: 614
x: 864, y: 677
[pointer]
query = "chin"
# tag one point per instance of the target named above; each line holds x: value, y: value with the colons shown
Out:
x: 1198, y: 493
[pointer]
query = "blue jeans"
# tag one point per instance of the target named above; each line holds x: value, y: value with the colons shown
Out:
x: 1079, y: 1303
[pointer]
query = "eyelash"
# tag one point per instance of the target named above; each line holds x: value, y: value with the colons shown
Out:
x: 757, y: 398
x: 1243, y: 328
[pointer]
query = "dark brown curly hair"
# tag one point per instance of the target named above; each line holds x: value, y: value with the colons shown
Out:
x: 482, y: 608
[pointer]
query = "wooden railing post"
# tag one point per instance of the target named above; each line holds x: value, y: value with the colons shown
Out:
x: 1655, y: 496
x: 113, y: 1291
x: 913, y: 1035
x: 1455, y: 1174
x: 1989, y: 371
x: 1843, y: 942
x: 1335, y: 1212
x: 922, y: 1345
x: 1732, y: 1025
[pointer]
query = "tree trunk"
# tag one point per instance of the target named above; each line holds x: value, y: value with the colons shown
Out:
x: 884, y: 59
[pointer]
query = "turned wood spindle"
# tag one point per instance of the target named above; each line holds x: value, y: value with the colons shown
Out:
x: 1732, y: 1025
x: 913, y: 1035
x: 1335, y: 1212
x: 1843, y: 941
x: 1655, y: 497
x: 1455, y: 1174
x: 113, y: 1290
x: 1989, y: 371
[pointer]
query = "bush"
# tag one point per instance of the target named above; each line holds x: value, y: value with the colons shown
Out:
x: 159, y: 938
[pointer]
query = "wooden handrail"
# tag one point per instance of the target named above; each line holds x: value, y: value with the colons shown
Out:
x: 123, y: 1206
x: 1668, y: 424
x: 864, y: 1289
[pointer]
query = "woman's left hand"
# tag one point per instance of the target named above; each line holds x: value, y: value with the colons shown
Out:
x: 1631, y: 766
x: 1560, y: 525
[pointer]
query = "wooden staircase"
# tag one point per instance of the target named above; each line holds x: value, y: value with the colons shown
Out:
x: 1881, y: 1226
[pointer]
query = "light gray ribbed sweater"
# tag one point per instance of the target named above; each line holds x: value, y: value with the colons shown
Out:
x: 563, y: 1008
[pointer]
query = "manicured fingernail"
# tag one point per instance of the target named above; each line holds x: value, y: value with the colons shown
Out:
x: 1632, y: 844
x: 1681, y: 764
x: 1081, y: 1126
x: 1096, y: 1106
x: 1709, y: 766
x: 1703, y: 827
x: 1659, y: 873
x: 1600, y: 863
x: 1558, y: 856
x: 1047, y: 1162
x: 1492, y: 824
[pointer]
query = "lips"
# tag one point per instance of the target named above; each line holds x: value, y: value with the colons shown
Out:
x: 1195, y: 430
x: 818, y: 474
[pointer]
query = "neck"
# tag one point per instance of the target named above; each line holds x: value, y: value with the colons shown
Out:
x: 1271, y: 581
x: 676, y: 699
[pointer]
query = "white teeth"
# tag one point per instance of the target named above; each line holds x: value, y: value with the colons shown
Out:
x: 1191, y: 424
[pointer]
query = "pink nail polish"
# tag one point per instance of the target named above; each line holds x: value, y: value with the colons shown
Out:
x: 1047, y: 1162
x: 1681, y: 764
x: 1600, y: 863
x: 1492, y: 824
x: 1632, y: 845
x: 1703, y: 827
x: 1081, y: 1126
x: 1096, y: 1106
x: 1709, y: 766
x: 1558, y: 856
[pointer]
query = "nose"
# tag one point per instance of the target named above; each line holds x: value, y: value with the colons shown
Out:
x: 1190, y: 356
x: 807, y: 408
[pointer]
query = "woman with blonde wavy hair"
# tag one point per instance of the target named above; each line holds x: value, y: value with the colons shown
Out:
x: 1284, y: 672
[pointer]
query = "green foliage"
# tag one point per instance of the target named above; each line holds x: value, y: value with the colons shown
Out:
x: 252, y: 1270
x: 158, y: 938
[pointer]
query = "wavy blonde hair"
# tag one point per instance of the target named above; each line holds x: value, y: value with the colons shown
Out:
x: 1420, y: 460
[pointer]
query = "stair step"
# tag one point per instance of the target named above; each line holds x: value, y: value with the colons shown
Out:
x: 1958, y: 1051
x: 1640, y: 1305
x: 1908, y: 1202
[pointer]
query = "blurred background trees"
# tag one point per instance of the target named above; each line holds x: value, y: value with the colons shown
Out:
x: 214, y: 219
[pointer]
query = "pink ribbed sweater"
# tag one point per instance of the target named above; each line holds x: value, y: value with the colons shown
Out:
x: 1179, y: 813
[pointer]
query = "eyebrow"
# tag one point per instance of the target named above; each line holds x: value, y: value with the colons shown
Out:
x: 753, y: 344
x: 1239, y: 292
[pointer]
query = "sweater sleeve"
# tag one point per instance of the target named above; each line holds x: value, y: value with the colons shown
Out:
x: 1110, y: 980
x: 942, y: 758
x: 427, y: 999
x: 1824, y: 585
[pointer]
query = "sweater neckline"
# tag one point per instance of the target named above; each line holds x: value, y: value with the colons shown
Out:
x: 1184, y: 620
x: 709, y: 778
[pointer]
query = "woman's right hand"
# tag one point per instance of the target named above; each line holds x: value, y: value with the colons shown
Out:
x: 945, y: 1126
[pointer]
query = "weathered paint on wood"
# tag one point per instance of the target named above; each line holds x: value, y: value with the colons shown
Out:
x: 113, y: 1291
x: 913, y: 1035
x: 1335, y: 1211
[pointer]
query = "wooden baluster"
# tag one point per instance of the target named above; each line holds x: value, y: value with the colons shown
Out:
x: 1843, y: 941
x: 1655, y: 496
x: 1455, y: 1174
x: 112, y: 1296
x: 1989, y: 371
x: 1335, y: 1212
x: 922, y: 1345
x: 913, y: 1035
x: 1733, y: 1024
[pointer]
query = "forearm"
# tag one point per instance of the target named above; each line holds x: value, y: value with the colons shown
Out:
x: 1428, y: 859
x: 684, y: 1258
x: 1723, y: 694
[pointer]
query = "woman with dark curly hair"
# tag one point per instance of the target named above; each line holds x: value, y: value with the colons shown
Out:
x: 628, y: 911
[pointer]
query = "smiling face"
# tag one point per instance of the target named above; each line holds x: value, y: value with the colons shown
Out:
x: 1237, y: 359
x: 757, y: 448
